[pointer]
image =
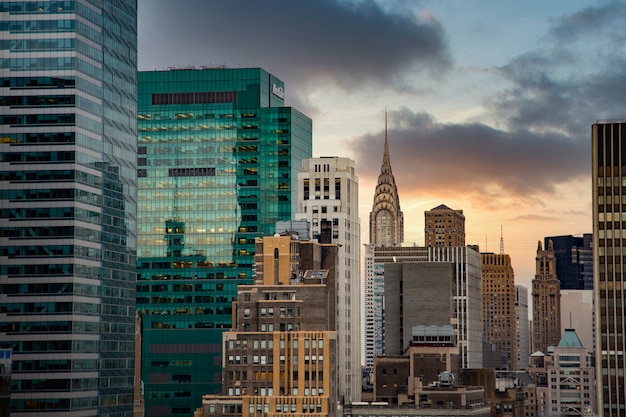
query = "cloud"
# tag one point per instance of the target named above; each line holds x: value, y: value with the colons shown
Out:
x: 472, y: 159
x: 573, y: 79
x: 350, y: 44
x: 609, y: 17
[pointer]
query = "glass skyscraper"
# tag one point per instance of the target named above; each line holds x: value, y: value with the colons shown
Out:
x: 68, y: 138
x: 218, y: 160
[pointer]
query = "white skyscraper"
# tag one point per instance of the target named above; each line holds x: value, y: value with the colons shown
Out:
x: 328, y: 197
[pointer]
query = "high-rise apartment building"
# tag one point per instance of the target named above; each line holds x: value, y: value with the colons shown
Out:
x: 498, y: 290
x: 68, y: 181
x: 546, y: 300
x: 574, y: 261
x: 609, y: 263
x: 280, y: 356
x: 328, y: 197
x: 386, y: 218
x: 444, y: 226
x: 522, y: 327
x: 219, y: 155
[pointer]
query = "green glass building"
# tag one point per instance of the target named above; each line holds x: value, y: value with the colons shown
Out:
x: 218, y: 157
x: 68, y: 193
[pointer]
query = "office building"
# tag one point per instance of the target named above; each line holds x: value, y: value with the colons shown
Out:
x: 386, y: 218
x: 569, y: 388
x: 444, y: 227
x: 499, y: 320
x: 386, y: 230
x: 546, y: 301
x: 328, y: 197
x: 608, y: 146
x: 280, y: 357
x: 522, y: 327
x: 219, y: 154
x: 68, y: 140
x: 574, y: 261
x: 426, y: 272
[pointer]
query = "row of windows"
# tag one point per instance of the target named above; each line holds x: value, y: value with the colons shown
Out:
x: 38, y: 119
x: 21, y: 7
x: 33, y: 45
x: 194, y: 98
x: 20, y: 26
x: 66, y: 100
x: 38, y: 82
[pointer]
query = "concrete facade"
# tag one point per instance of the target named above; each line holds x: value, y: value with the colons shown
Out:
x: 522, y: 327
x: 498, y: 290
x: 328, y: 194
x: 281, y: 355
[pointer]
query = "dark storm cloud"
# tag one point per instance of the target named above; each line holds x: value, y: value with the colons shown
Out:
x: 471, y: 159
x: 350, y: 43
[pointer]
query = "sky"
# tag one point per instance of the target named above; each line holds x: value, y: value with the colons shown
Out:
x: 490, y: 103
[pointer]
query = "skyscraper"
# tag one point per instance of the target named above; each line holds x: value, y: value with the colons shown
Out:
x: 444, y: 226
x: 219, y: 155
x: 386, y: 230
x: 546, y: 300
x: 386, y: 218
x: 609, y: 263
x: 328, y: 197
x: 498, y: 289
x: 574, y: 261
x: 522, y: 327
x: 68, y: 136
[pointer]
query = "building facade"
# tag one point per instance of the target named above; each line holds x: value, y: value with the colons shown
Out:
x: 281, y: 355
x: 499, y: 319
x: 68, y: 140
x: 522, y: 327
x: 219, y: 155
x: 609, y: 264
x: 444, y: 226
x: 574, y: 261
x: 328, y: 197
x: 6, y: 363
x: 406, y: 282
x: 546, y: 301
x: 570, y: 380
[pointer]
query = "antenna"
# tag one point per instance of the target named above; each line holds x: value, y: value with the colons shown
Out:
x: 501, y: 242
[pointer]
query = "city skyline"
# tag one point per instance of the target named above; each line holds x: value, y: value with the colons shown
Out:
x: 506, y: 92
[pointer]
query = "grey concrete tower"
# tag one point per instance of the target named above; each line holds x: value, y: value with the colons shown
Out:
x: 386, y: 218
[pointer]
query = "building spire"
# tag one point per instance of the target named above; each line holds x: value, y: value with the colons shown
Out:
x: 501, y: 241
x: 386, y: 218
x: 386, y: 167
